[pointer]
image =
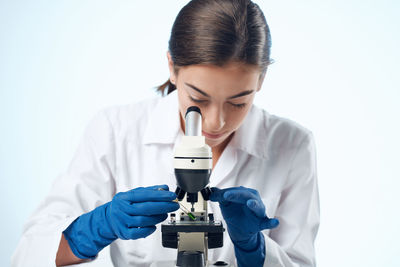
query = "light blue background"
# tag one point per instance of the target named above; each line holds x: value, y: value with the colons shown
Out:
x: 336, y: 72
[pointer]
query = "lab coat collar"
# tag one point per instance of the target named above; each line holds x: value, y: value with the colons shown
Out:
x: 251, y: 137
x: 164, y: 127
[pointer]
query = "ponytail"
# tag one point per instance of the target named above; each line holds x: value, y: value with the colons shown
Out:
x: 167, y: 85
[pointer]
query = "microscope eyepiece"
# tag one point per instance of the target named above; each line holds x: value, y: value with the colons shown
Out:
x: 193, y: 121
x: 193, y: 108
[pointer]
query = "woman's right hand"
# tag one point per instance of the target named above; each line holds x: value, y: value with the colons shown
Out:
x: 134, y: 214
x: 130, y: 215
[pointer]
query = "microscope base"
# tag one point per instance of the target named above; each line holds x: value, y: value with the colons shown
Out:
x: 173, y: 264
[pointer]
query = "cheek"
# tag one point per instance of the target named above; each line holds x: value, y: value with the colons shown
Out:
x: 184, y: 102
x: 235, y: 118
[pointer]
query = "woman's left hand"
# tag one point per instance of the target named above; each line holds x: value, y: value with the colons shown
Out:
x: 244, y: 213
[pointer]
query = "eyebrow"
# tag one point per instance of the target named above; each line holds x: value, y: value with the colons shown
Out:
x: 247, y: 92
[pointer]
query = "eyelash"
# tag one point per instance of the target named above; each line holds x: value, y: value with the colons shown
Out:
x: 239, y: 106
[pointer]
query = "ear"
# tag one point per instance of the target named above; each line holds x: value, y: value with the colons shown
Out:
x: 172, y: 75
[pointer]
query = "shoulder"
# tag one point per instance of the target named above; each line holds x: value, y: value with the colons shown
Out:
x: 283, y: 131
x: 270, y: 134
x: 124, y: 119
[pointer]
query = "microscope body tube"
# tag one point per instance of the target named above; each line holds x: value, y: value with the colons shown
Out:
x: 193, y: 157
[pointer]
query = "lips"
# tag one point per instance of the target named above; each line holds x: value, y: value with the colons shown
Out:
x: 213, y: 136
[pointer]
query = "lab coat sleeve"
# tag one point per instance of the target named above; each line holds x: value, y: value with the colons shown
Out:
x: 292, y: 242
x: 87, y: 183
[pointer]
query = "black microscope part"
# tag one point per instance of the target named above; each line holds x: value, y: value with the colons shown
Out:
x: 193, y: 108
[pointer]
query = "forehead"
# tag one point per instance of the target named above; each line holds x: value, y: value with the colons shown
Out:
x: 226, y: 80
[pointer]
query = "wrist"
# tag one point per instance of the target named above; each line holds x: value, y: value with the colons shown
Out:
x: 249, y: 243
x: 253, y: 255
x: 90, y: 233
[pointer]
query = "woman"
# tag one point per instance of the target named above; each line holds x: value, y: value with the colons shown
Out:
x: 219, y: 52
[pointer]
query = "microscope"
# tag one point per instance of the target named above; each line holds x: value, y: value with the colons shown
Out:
x: 192, y: 231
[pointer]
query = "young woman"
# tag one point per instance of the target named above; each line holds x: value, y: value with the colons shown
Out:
x: 264, y: 168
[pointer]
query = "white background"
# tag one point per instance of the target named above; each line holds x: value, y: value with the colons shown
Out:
x: 336, y: 73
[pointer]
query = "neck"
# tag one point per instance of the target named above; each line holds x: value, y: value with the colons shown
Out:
x: 217, y: 150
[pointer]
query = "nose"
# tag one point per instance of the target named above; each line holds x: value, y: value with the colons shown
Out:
x: 214, y: 119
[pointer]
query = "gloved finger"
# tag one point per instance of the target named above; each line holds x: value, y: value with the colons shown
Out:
x: 145, y: 194
x: 142, y: 232
x: 123, y: 220
x: 135, y: 209
x: 216, y: 194
x: 268, y: 223
x: 257, y: 207
x: 153, y: 208
x: 158, y: 187
x: 127, y: 208
x: 144, y: 221
x: 239, y: 195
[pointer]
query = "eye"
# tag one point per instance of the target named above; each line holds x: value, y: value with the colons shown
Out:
x: 242, y: 105
x: 197, y: 100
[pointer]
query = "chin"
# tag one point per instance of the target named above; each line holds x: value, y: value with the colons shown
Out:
x: 216, y: 142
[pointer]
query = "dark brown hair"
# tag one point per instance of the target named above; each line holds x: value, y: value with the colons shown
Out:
x: 217, y: 32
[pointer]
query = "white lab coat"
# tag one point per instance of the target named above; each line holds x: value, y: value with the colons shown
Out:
x: 125, y: 147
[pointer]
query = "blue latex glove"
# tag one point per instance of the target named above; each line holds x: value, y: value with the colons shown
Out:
x: 130, y: 215
x: 244, y: 213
